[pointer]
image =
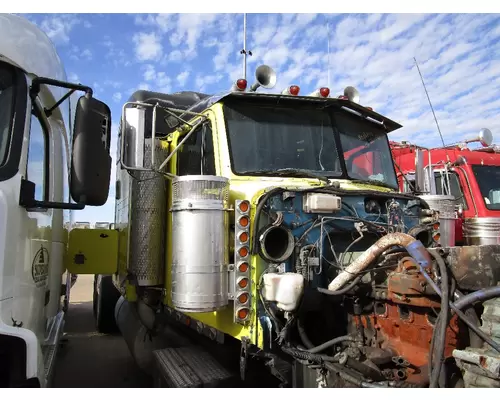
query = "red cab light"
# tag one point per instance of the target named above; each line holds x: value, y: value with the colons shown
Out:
x: 324, y: 92
x: 241, y: 84
x: 294, y: 90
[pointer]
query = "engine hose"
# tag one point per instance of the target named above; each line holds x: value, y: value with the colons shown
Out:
x: 419, y: 253
x: 306, y: 356
x: 439, y: 344
x: 303, y: 335
x: 331, y: 343
x: 343, y: 290
x: 370, y: 255
x: 477, y: 296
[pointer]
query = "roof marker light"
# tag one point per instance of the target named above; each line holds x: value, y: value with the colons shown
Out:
x: 239, y: 86
x: 321, y: 92
x: 324, y: 92
x: 291, y: 90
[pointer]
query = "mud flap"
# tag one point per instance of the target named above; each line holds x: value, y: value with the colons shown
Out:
x: 92, y: 252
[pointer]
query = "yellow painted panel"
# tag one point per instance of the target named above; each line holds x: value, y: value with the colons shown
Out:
x: 92, y: 251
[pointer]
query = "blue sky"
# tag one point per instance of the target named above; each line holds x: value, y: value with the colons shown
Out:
x: 458, y: 54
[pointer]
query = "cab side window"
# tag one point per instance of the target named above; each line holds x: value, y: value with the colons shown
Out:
x: 38, y: 157
x: 196, y: 156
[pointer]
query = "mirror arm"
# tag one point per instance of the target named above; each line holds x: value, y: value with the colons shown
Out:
x: 27, y: 200
x: 35, y: 204
x: 48, y: 111
x: 35, y: 86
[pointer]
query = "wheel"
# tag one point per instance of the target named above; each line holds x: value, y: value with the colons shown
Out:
x: 105, y: 299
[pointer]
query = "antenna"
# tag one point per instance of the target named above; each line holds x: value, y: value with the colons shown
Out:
x: 244, y: 50
x: 430, y: 103
x: 431, y: 180
x: 328, y: 47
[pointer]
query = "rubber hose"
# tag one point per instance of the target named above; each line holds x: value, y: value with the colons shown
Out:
x: 303, y: 335
x: 459, y: 312
x: 304, y: 355
x: 440, y: 343
x: 342, y: 291
x: 331, y: 343
x: 477, y: 296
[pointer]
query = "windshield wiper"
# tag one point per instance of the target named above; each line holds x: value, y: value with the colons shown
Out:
x: 297, y: 172
x: 373, y: 182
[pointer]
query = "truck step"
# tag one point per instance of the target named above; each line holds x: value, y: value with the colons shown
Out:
x: 186, y: 367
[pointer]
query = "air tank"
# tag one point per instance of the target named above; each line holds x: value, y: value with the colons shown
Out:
x: 445, y: 204
x: 200, y: 243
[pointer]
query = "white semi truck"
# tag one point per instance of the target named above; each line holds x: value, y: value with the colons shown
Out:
x: 50, y: 163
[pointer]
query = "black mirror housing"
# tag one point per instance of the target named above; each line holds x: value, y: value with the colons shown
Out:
x: 91, y: 161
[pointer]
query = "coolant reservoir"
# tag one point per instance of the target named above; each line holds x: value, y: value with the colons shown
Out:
x: 285, y: 289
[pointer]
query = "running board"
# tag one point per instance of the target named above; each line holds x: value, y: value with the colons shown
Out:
x: 188, y: 367
x: 51, y: 344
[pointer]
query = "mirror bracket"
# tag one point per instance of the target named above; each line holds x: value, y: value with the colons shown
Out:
x: 187, y: 127
x: 37, y: 82
x: 27, y: 200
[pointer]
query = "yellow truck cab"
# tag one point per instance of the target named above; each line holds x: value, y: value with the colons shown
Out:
x: 271, y: 225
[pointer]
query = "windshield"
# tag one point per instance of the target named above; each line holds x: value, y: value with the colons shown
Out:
x: 6, y: 108
x: 488, y: 180
x: 264, y: 138
x: 366, y: 149
x: 267, y: 138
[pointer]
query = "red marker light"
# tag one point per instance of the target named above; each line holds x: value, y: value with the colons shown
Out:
x: 324, y: 92
x: 241, y: 84
x: 294, y: 90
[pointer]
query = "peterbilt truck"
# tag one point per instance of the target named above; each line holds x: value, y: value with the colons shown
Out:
x: 468, y: 175
x: 50, y: 164
x: 265, y: 232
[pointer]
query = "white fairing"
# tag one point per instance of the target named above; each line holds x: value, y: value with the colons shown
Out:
x: 30, y: 49
x: 32, y: 242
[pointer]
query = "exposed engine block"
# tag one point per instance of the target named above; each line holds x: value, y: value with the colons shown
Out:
x: 381, y: 303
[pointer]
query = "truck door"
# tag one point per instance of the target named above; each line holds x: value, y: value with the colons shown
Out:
x: 31, y: 294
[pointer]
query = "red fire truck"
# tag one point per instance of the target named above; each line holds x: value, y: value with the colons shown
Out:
x: 470, y: 175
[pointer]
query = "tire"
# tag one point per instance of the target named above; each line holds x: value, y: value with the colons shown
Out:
x: 105, y: 299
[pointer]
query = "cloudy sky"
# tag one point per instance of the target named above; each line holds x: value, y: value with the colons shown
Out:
x: 458, y: 55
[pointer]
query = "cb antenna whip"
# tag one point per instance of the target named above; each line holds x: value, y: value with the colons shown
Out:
x: 430, y: 104
x: 244, y: 50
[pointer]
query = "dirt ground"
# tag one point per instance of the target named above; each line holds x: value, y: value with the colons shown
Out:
x: 89, y: 359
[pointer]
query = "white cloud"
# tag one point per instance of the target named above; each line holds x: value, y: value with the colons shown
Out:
x: 87, y: 54
x: 182, y: 78
x: 157, y: 81
x: 72, y: 77
x: 117, y: 96
x: 59, y: 27
x: 175, y: 56
x: 147, y: 46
